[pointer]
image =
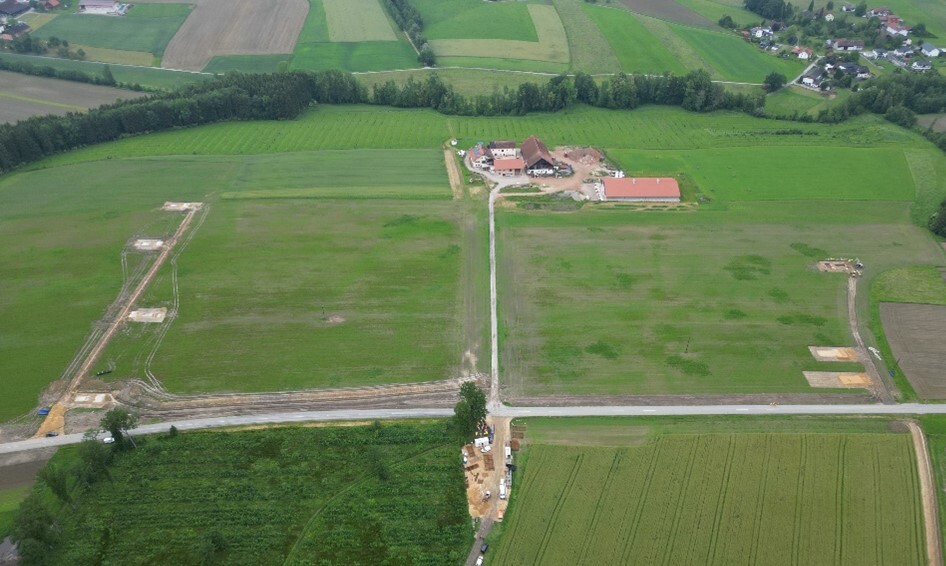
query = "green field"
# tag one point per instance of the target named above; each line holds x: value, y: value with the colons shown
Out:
x: 713, y: 10
x: 795, y: 99
x: 612, y: 301
x: 9, y: 501
x: 464, y: 19
x: 149, y: 77
x: 552, y: 45
x: 733, y: 58
x: 306, y: 495
x: 148, y: 28
x: 935, y: 428
x: 588, y: 47
x: 737, y: 498
x: 247, y: 63
x: 636, y: 48
x: 357, y: 20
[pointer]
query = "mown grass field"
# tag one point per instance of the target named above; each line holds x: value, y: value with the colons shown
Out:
x: 465, y: 19
x: 795, y: 99
x: 690, y: 498
x: 357, y: 20
x: 713, y: 10
x: 733, y: 58
x: 9, y: 502
x: 613, y: 301
x: 60, y: 282
x: 147, y: 28
x: 307, y: 495
x: 934, y: 426
x: 636, y: 48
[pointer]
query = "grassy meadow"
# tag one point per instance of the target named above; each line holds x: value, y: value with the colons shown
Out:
x: 686, y: 497
x: 385, y: 166
x: 636, y: 48
x: 147, y: 28
x: 467, y: 19
x: 302, y: 495
x: 149, y: 77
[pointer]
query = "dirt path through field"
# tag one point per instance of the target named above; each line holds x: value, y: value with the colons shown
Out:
x: 55, y: 422
x: 453, y: 172
x: 878, y: 384
x: 934, y: 549
x: 235, y: 27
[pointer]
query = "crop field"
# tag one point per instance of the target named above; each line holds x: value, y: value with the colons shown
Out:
x: 152, y: 78
x: 235, y: 27
x: 914, y: 332
x: 147, y: 28
x: 613, y: 301
x: 935, y: 428
x: 635, y: 46
x: 460, y: 19
x: 590, y: 51
x: 713, y: 10
x: 552, y: 44
x: 673, y: 11
x: 779, y: 498
x: 357, y: 20
x: 316, y: 50
x: 24, y: 96
x: 306, y: 495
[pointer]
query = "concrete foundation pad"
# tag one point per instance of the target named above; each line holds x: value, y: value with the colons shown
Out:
x: 837, y: 379
x: 182, y: 206
x: 148, y: 315
x: 833, y: 353
x: 91, y: 400
x: 148, y: 245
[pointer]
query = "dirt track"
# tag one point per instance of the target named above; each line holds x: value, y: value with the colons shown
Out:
x: 234, y: 27
x: 934, y: 549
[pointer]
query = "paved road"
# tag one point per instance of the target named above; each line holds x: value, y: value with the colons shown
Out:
x: 510, y: 412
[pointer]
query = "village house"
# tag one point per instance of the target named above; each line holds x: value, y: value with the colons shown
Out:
x: 921, y: 66
x: 848, y: 8
x: 829, y: 17
x: 503, y: 148
x: 760, y: 32
x: 12, y: 8
x: 11, y: 32
x: 509, y: 167
x: 848, y: 45
x: 903, y: 52
x: 640, y: 189
x: 879, y: 12
x: 539, y: 162
x: 802, y: 52
x: 481, y: 157
x: 813, y: 77
x: 930, y: 50
x: 896, y: 29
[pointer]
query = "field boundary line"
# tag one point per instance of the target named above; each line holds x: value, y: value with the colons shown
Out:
x: 760, y: 505
x: 519, y: 72
x: 839, y: 502
x: 799, y: 493
x: 931, y: 517
x: 681, y: 503
x: 128, y: 65
x: 641, y: 502
x: 721, y: 502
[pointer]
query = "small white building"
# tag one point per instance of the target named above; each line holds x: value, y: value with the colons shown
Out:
x: 930, y: 50
x: 502, y: 149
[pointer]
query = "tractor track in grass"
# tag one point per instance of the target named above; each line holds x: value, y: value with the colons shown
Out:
x: 934, y: 549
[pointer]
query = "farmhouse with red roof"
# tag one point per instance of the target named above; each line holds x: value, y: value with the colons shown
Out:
x: 509, y: 167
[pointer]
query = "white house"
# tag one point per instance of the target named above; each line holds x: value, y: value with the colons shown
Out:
x: 848, y: 7
x: 829, y: 17
x: 848, y: 45
x: 813, y: 77
x: 930, y: 50
x: 921, y: 66
x: 759, y: 32
x: 896, y: 29
x: 503, y: 149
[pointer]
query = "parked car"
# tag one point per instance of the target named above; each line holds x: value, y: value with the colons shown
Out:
x: 484, y: 548
x: 108, y: 440
x: 52, y: 433
x: 479, y: 560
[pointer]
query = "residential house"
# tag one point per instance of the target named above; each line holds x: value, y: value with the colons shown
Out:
x: 896, y: 29
x: 862, y: 72
x: 847, y: 68
x: 106, y: 7
x: 10, y: 32
x: 51, y: 4
x: 829, y: 17
x: 802, y: 52
x: 503, y: 148
x: 480, y: 156
x: 848, y: 45
x: 509, y: 167
x: 848, y: 8
x: 539, y: 162
x: 930, y: 50
x: 813, y: 77
x: 12, y: 8
x: 760, y: 32
x: 879, y: 12
x: 640, y: 189
x: 903, y: 52
x: 921, y: 66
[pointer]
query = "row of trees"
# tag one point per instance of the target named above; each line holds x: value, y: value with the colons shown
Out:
x: 770, y: 9
x: 409, y: 19
x: 35, y: 46
x: 35, y: 529
x: 286, y: 95
x: 27, y: 68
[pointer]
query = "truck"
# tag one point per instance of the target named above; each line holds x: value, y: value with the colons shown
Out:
x: 502, y: 488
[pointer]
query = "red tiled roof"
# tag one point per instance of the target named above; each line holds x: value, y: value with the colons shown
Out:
x: 533, y: 150
x: 509, y: 164
x: 641, y: 187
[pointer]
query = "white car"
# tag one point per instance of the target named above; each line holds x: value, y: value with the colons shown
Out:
x: 108, y: 440
x: 479, y: 561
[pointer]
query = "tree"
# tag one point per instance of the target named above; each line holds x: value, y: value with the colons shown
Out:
x: 94, y: 458
x: 118, y: 422
x: 727, y: 22
x: 938, y: 221
x: 774, y: 81
x: 829, y: 6
x: 919, y: 30
x: 33, y: 530
x: 861, y: 9
x: 56, y: 479
x: 470, y: 410
x: 107, y: 76
x: 811, y: 6
x: 426, y: 55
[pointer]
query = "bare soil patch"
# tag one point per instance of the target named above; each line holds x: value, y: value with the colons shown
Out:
x: 668, y: 10
x: 837, y: 379
x: 150, y: 315
x: 234, y: 27
x: 917, y: 336
x: 833, y: 354
x: 336, y: 319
